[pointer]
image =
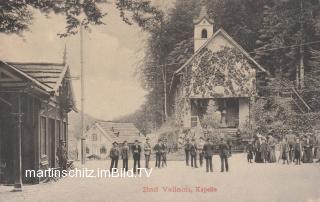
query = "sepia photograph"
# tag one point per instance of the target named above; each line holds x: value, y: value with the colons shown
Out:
x: 160, y: 100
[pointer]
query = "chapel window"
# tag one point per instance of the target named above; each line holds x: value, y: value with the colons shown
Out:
x: 204, y: 34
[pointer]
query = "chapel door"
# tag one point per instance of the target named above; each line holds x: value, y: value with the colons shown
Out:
x: 232, y: 112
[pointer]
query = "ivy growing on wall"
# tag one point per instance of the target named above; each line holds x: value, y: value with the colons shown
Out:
x: 226, y: 73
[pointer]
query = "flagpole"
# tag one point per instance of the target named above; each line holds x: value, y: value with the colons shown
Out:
x: 83, y: 139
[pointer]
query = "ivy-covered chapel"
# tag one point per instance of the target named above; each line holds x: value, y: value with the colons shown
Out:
x: 219, y: 80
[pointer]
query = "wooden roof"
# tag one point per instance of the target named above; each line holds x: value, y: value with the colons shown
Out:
x: 121, y: 131
x: 46, y: 77
x: 48, y: 74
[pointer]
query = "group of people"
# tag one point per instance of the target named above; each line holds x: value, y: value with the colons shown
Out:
x: 299, y: 148
x: 262, y: 149
x: 205, y: 150
x: 123, y: 152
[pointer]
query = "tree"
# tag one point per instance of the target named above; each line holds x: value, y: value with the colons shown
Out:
x: 288, y: 23
x: 16, y: 15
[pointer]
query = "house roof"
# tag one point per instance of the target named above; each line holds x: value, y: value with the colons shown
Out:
x: 227, y: 37
x: 49, y: 74
x: 121, y: 131
x: 233, y: 42
x: 46, y: 76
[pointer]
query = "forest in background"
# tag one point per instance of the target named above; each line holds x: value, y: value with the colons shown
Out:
x: 270, y: 30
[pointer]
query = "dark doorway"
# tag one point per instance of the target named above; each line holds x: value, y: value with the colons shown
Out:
x: 232, y: 109
x: 6, y: 145
x: 52, y: 143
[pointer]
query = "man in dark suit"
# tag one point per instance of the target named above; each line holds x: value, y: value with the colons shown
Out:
x: 193, y: 153
x: 125, y: 155
x: 158, y: 149
x: 114, y: 155
x: 136, y: 151
x: 208, y: 152
x: 187, y: 148
x: 164, y: 150
x: 224, y: 154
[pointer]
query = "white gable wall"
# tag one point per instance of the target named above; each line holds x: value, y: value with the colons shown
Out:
x: 218, y: 42
x: 95, y: 145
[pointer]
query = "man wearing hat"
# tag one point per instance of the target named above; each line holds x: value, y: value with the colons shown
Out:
x: 187, y: 148
x: 157, y: 148
x: 114, y: 155
x: 62, y: 154
x: 136, y: 151
x: 224, y: 154
x: 164, y: 150
x: 125, y: 155
x: 208, y: 152
x: 193, y: 153
x: 147, y: 152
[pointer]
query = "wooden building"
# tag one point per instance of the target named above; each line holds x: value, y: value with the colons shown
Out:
x: 35, y: 99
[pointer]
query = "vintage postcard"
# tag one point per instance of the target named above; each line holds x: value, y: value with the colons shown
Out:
x: 160, y: 100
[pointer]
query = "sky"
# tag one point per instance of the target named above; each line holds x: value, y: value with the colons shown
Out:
x: 111, y: 53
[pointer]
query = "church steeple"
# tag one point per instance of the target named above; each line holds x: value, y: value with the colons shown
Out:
x: 203, y: 28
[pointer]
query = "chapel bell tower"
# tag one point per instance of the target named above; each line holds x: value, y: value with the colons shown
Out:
x: 203, y: 28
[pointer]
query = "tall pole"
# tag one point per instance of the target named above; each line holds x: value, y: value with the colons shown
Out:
x: 83, y: 138
x: 301, y: 65
x: 17, y: 157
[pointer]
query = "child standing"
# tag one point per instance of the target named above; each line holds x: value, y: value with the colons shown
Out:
x: 250, y: 152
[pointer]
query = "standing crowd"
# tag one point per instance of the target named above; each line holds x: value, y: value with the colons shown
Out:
x: 260, y: 150
x: 291, y: 148
x: 205, y: 150
x: 123, y: 152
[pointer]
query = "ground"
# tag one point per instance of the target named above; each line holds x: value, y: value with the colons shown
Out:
x: 245, y: 182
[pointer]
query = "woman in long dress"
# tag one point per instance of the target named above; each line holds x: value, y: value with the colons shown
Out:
x: 284, y: 151
x: 257, y: 147
x: 272, y: 147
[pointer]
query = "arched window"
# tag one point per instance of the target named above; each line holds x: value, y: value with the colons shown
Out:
x: 204, y: 34
x: 87, y: 150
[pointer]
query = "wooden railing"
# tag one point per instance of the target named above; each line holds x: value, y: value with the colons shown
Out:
x: 299, y: 102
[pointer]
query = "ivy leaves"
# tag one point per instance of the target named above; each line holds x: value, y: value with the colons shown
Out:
x: 226, y: 73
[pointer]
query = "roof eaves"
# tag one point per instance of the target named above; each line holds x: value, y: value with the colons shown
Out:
x: 41, y: 85
x: 61, y: 76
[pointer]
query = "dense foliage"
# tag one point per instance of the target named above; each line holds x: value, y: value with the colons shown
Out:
x: 16, y: 16
x: 226, y: 73
x: 277, y: 116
